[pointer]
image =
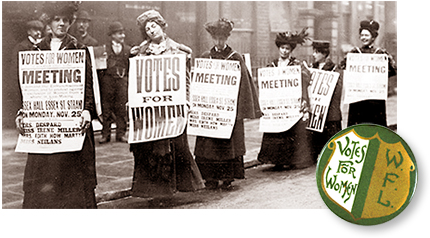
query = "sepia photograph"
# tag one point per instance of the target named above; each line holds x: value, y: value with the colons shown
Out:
x: 190, y: 104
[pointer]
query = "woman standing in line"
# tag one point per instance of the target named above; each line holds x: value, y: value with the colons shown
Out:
x: 164, y: 166
x: 369, y: 111
x: 333, y: 123
x: 290, y: 149
x: 221, y: 160
x: 66, y: 179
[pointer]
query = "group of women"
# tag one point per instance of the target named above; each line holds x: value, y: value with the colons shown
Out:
x: 68, y: 180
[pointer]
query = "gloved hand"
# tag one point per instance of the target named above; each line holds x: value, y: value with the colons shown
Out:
x: 85, y: 121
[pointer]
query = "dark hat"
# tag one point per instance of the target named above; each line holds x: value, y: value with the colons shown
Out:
x: 59, y: 8
x: 321, y: 44
x: 151, y: 15
x: 114, y: 27
x: 84, y: 15
x: 287, y: 37
x: 221, y: 27
x: 35, y: 24
x: 372, y: 26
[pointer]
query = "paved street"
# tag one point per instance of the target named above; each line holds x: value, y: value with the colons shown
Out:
x: 114, y: 164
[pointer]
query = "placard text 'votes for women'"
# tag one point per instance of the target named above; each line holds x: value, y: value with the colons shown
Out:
x: 157, y: 97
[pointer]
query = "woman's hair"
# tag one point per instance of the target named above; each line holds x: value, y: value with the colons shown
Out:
x: 60, y: 8
x: 324, y: 51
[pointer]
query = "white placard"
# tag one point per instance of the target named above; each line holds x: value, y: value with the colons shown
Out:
x: 280, y: 91
x: 323, y: 84
x: 53, y: 89
x: 366, y: 77
x: 214, y: 95
x: 157, y: 97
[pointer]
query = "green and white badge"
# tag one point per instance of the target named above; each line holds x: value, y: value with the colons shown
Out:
x: 366, y: 174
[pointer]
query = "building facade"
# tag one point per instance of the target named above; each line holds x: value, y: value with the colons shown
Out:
x: 256, y: 25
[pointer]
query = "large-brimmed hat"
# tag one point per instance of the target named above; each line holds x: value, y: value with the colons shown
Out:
x: 291, y: 38
x: 372, y: 26
x: 151, y: 15
x: 221, y: 27
x: 115, y: 27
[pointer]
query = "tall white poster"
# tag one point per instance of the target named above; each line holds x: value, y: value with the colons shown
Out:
x: 366, y: 77
x: 214, y: 94
x: 323, y: 84
x: 157, y: 97
x: 280, y: 90
x: 53, y: 88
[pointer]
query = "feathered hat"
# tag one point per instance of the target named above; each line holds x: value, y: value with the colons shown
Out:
x: 221, y: 27
x: 291, y: 38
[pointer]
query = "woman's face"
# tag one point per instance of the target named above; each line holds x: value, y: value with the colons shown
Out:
x: 285, y: 51
x: 318, y: 56
x: 154, y: 31
x: 59, y: 26
x: 366, y: 37
x: 219, y: 41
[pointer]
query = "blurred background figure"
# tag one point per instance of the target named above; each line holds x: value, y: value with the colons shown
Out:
x: 34, y: 36
x: 82, y: 23
x: 114, y: 84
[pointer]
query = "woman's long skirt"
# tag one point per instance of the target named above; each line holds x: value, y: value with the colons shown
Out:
x: 368, y: 111
x: 290, y: 148
x: 61, y: 180
x: 163, y: 167
x: 222, y: 159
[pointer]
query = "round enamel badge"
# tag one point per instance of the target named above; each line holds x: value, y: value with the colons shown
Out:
x: 366, y: 174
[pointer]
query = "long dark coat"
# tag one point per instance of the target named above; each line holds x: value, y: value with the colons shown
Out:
x: 222, y: 159
x: 165, y: 166
x: 291, y: 148
x: 333, y: 122
x: 64, y: 180
x: 370, y: 111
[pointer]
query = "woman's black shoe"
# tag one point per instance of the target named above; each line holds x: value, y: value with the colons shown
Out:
x: 211, y: 184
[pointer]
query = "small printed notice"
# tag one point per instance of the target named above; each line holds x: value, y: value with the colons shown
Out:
x: 157, y: 97
x: 53, y: 88
x: 280, y: 97
x: 366, y: 77
x: 323, y: 84
x: 214, y: 92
